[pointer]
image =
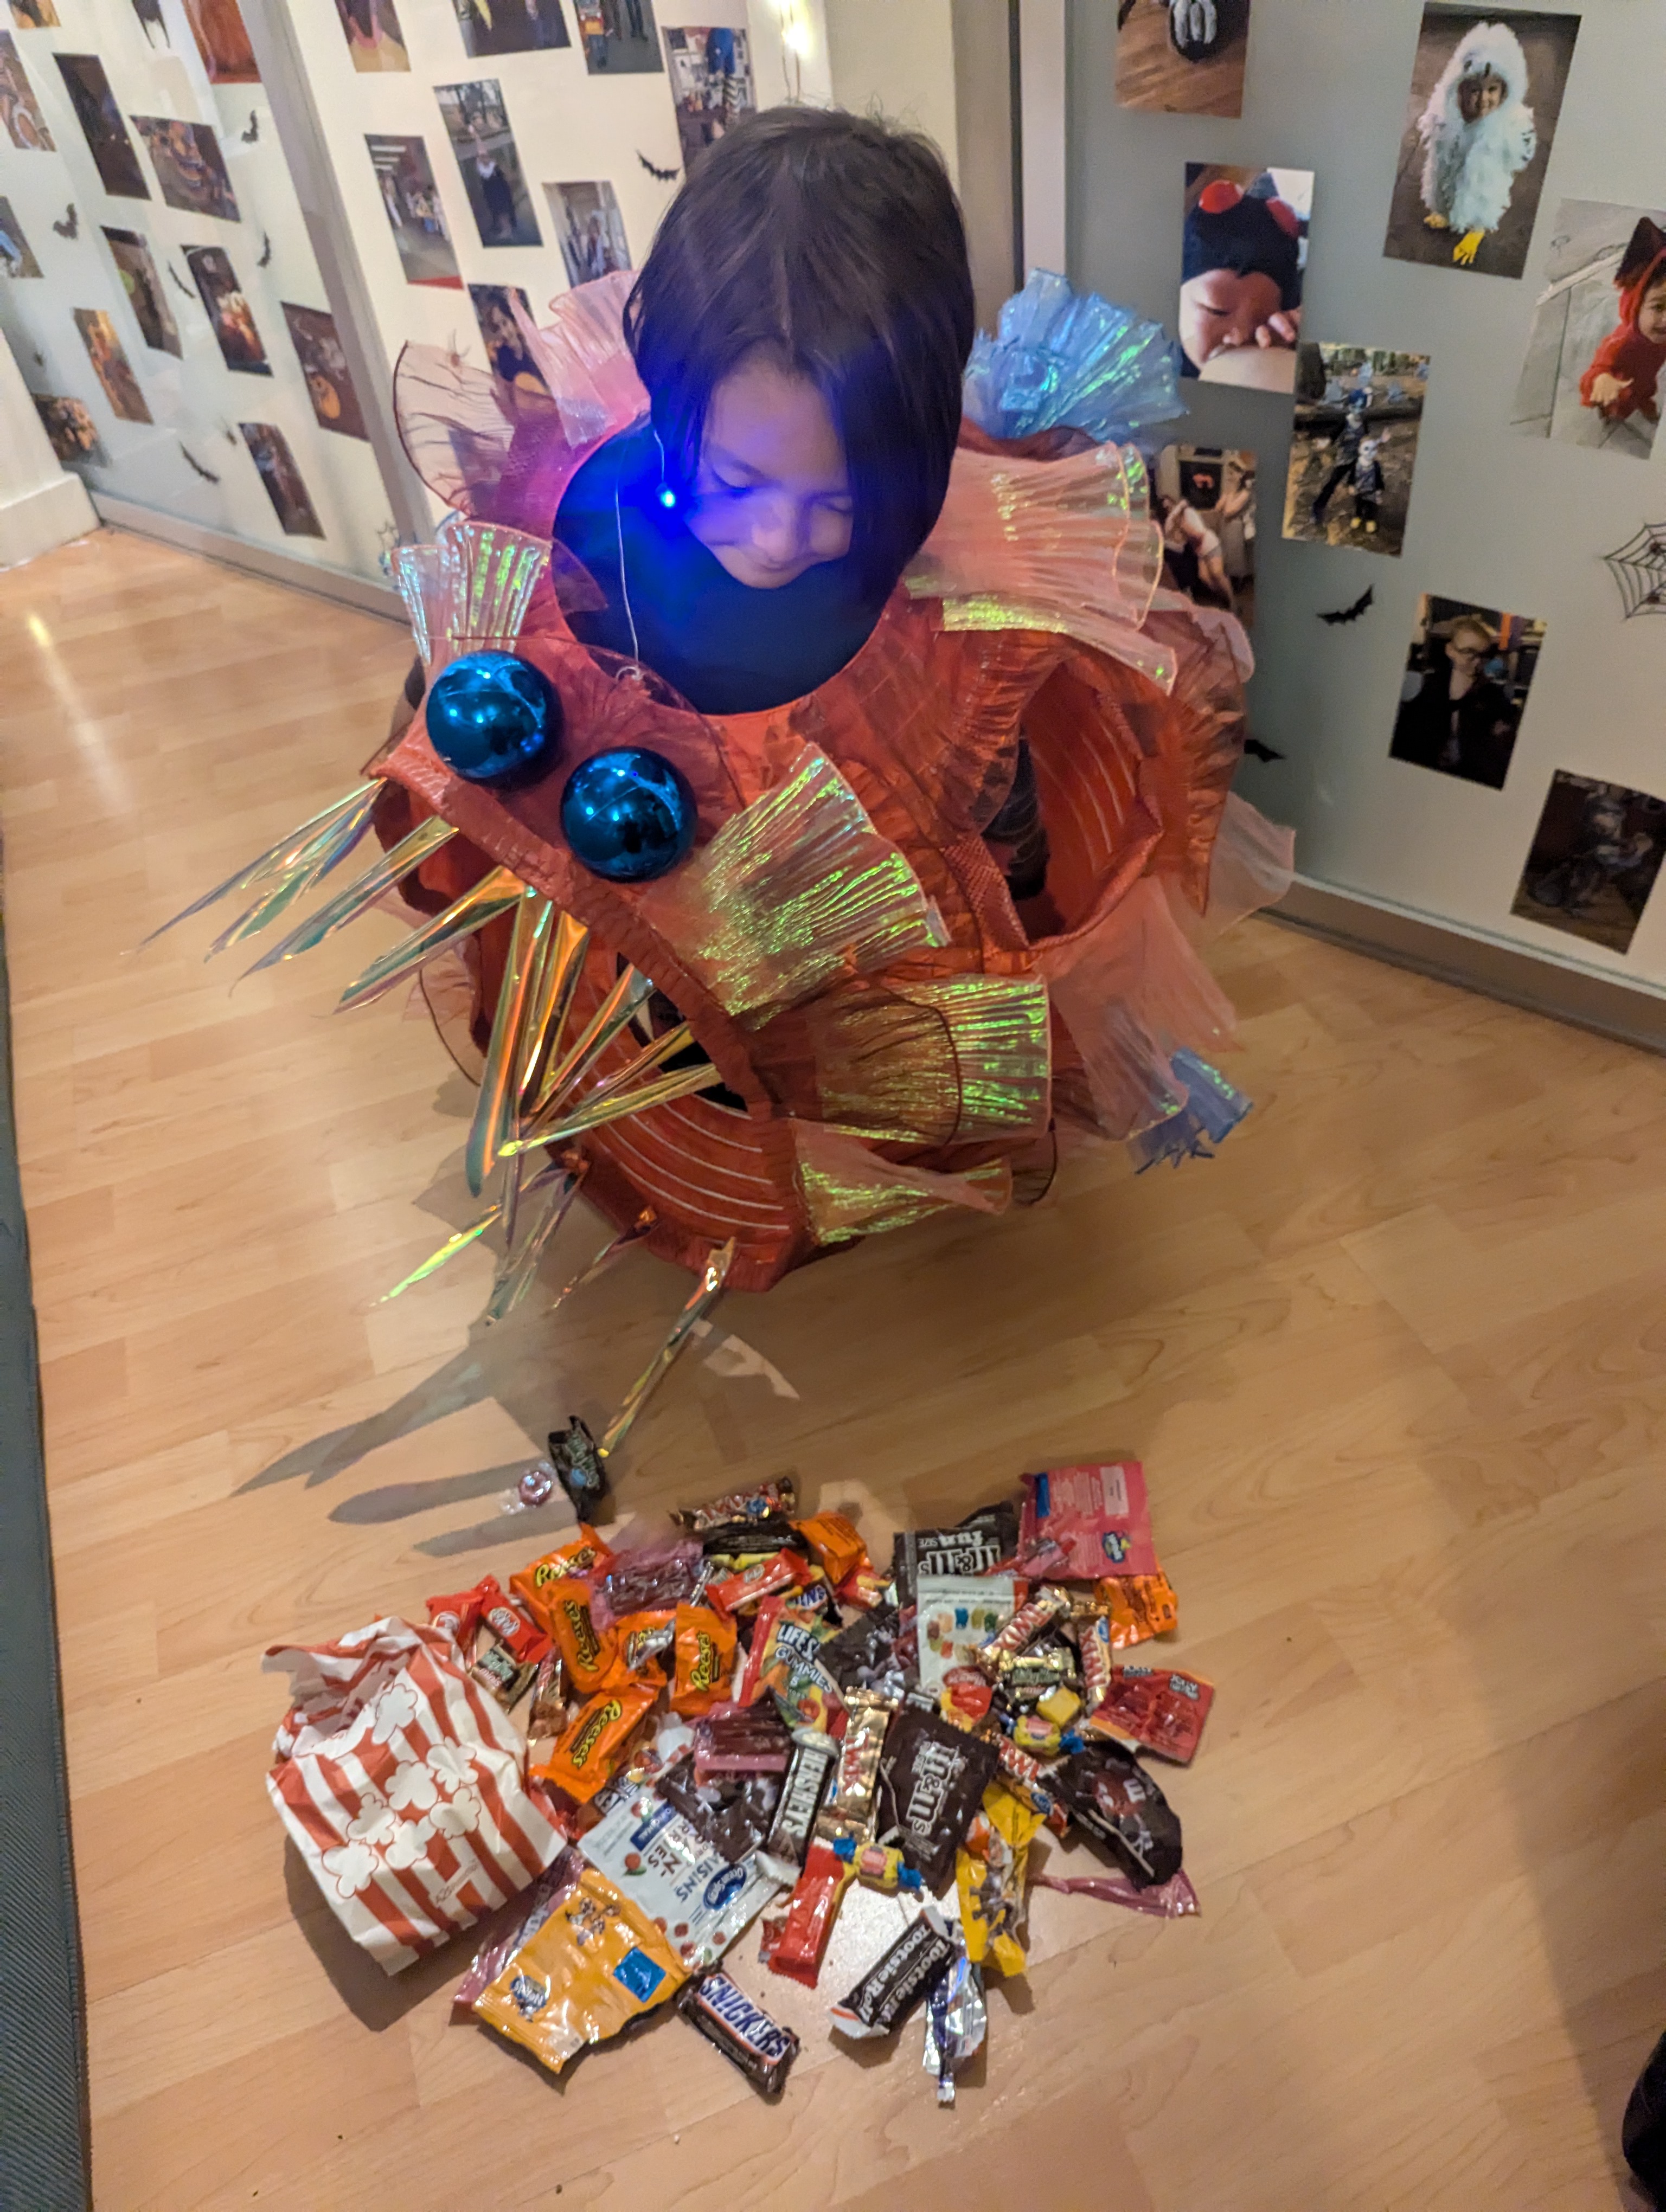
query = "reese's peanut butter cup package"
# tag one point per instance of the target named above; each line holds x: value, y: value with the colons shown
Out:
x: 586, y: 1554
x: 593, y: 1747
x: 705, y: 1645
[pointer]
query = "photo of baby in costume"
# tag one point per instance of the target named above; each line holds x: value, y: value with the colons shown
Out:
x: 1243, y: 260
x: 1485, y: 94
x: 1598, y: 341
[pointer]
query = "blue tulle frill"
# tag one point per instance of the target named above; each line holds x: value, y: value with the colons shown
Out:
x: 1212, y: 1110
x: 1070, y: 357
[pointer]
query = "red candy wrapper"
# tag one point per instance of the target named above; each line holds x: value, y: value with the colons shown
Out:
x: 783, y: 1570
x: 1081, y: 1522
x: 523, y: 1639
x: 1158, y: 1708
x: 458, y: 1615
x: 810, y: 1913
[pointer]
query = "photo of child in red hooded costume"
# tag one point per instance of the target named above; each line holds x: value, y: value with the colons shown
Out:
x: 1592, y: 374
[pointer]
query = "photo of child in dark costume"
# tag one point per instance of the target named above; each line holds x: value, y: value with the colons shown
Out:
x: 1242, y: 261
x: 1594, y: 857
x: 1598, y: 343
x: 1466, y: 679
x: 1358, y: 415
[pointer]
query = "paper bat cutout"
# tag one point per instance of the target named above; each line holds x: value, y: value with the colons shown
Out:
x: 179, y: 281
x: 1333, y: 615
x: 207, y: 475
x: 1257, y: 750
x: 251, y: 136
x: 265, y: 249
x: 71, y: 226
x: 659, y: 176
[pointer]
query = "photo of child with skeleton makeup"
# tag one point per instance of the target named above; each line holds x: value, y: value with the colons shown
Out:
x: 1486, y: 91
x: 1595, y: 355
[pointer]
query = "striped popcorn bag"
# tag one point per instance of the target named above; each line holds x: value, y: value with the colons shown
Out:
x: 403, y: 1784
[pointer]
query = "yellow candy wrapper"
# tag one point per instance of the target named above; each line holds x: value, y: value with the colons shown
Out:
x: 990, y: 1871
x: 595, y: 1966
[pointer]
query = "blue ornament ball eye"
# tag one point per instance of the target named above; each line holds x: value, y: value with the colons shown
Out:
x: 628, y: 814
x: 492, y: 715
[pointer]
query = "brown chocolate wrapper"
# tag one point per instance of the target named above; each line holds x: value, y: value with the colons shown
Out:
x: 779, y: 1496
x: 742, y: 2031
x: 932, y: 1779
x: 892, y: 1988
x: 814, y: 1756
x: 848, y: 1810
x: 977, y: 1546
x: 1110, y: 1794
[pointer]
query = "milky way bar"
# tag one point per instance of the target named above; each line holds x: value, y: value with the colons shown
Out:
x: 890, y: 1991
x: 746, y: 2035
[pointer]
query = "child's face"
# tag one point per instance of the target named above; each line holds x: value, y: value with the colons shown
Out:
x: 772, y: 496
x: 1479, y: 95
x: 1651, y: 315
x: 1220, y: 309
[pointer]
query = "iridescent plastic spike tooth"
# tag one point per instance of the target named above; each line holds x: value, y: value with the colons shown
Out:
x: 552, y: 1002
x: 419, y: 577
x: 614, y: 1250
x: 324, y: 852
x: 704, y: 1296
x: 448, y: 1251
x: 482, y: 902
x: 519, y: 1269
x: 362, y: 893
x: 291, y: 851
x: 495, y: 1108
x: 651, y: 1055
x: 617, y: 1011
x: 597, y: 1111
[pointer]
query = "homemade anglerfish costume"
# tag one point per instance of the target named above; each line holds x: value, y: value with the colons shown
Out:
x: 814, y: 1014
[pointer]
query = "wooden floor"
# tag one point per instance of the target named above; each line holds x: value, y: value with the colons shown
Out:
x: 1394, y: 1362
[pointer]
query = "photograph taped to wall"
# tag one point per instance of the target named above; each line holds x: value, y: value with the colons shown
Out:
x: 1597, y: 346
x: 1467, y: 675
x: 478, y: 124
x: 1204, y: 496
x: 1593, y: 861
x: 1486, y: 91
x: 221, y: 41
x: 15, y: 258
x: 710, y: 69
x: 371, y: 29
x: 189, y: 165
x: 70, y: 430
x: 114, y: 154
x: 144, y: 287
x: 619, y: 36
x: 1182, y: 57
x: 1243, y: 263
x: 19, y: 111
x: 506, y: 348
x: 591, y: 230
x: 329, y: 382
x: 269, y: 449
x: 111, y: 365
x: 404, y: 176
x: 230, y: 313
x: 510, y: 26
x: 1354, y: 447
x: 35, y: 15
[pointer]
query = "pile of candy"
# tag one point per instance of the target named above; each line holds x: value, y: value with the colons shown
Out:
x: 748, y: 1719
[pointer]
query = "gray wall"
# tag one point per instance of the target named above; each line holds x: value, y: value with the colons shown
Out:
x: 1497, y: 518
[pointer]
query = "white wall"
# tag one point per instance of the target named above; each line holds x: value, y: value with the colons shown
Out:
x: 41, y: 505
x: 898, y: 56
x: 1495, y: 518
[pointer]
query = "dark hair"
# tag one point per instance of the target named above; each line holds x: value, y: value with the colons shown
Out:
x: 833, y: 242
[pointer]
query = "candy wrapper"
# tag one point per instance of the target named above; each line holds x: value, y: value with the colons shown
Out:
x: 1033, y: 1618
x: 592, y: 1968
x: 932, y: 1780
x: 458, y: 1616
x: 654, y: 1577
x: 779, y: 1496
x: 742, y: 2031
x: 740, y: 1739
x: 806, y: 1694
x: 855, y: 1792
x: 890, y: 1991
x: 400, y: 1785
x: 733, y: 1815
x: 955, y: 1615
x: 537, y: 1904
x: 863, y: 1657
x: 1110, y: 1795
x: 1166, y: 1901
x: 799, y: 1944
x: 705, y: 1645
x: 835, y: 1545
x: 594, y: 1747
x: 589, y: 1652
x: 782, y: 1571
x: 751, y: 1540
x: 1082, y: 1522
x: 956, y: 2022
x: 977, y: 1546
x: 586, y: 1555
x: 989, y: 1875
x: 675, y: 1879
x: 1159, y: 1709
x: 1138, y: 1607
x: 814, y: 1757
x: 646, y: 1638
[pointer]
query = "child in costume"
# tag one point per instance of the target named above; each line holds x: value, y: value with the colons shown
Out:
x: 1368, y: 485
x: 1624, y: 369
x: 1478, y: 136
x: 1241, y: 276
x: 941, y: 770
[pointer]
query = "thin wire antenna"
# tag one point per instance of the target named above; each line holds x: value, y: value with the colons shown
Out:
x: 624, y: 580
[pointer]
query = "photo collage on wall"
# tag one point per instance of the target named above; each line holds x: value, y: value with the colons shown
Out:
x: 1482, y: 112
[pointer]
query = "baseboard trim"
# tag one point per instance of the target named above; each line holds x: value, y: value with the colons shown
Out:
x: 40, y: 520
x: 276, y: 567
x: 1588, y: 998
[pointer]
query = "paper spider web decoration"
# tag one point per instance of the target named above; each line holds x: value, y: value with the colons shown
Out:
x: 1639, y: 567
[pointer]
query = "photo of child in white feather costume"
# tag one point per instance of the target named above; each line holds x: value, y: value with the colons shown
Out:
x: 1486, y: 91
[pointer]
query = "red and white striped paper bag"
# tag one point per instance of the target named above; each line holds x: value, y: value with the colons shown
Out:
x: 401, y: 1782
